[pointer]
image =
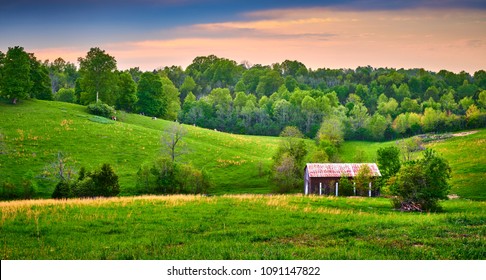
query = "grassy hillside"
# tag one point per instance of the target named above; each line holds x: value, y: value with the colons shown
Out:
x: 466, y: 156
x: 238, y: 227
x: 35, y: 131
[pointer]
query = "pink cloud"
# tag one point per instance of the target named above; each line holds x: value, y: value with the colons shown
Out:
x: 435, y: 40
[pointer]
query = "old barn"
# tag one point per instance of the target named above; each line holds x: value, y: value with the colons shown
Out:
x: 323, y: 178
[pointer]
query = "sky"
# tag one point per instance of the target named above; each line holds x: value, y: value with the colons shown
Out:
x: 150, y: 34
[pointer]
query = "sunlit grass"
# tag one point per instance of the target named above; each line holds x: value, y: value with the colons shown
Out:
x: 238, y: 227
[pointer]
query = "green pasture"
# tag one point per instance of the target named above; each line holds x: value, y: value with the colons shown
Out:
x: 33, y: 132
x: 239, y: 227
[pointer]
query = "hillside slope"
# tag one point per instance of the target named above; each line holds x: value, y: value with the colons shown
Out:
x: 35, y: 131
x: 466, y: 155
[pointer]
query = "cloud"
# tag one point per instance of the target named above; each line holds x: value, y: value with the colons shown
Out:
x: 320, y: 37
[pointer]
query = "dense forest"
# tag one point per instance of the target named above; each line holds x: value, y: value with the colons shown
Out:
x: 365, y: 103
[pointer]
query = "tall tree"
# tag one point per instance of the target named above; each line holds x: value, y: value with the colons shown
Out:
x: 97, y: 74
x: 41, y: 83
x: 16, y: 81
x: 171, y: 95
x: 127, y: 92
x: 388, y: 159
x: 151, y: 100
x: 288, y: 163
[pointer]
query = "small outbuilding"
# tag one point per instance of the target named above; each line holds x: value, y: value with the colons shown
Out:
x: 323, y: 178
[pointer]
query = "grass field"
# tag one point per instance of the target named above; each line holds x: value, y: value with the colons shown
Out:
x: 35, y: 131
x: 465, y: 154
x: 239, y: 227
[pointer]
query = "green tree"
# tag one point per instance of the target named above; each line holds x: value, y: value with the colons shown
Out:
x: 151, y: 100
x: 65, y: 95
x: 171, y: 96
x: 422, y: 184
x: 187, y: 86
x: 97, y: 75
x: 388, y: 107
x: 466, y: 102
x: 377, y: 126
x: 410, y: 105
x: 269, y: 83
x: 482, y: 99
x: 358, y: 119
x: 362, y: 180
x: 106, y: 181
x: 127, y: 92
x: 332, y: 130
x: 388, y: 160
x: 16, y: 81
x: 448, y: 102
x: 310, y: 109
x: 288, y: 163
x: 41, y: 83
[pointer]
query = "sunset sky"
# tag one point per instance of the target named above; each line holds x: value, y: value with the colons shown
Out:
x: 430, y: 34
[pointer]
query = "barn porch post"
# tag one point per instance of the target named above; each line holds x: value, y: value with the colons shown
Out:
x: 337, y: 188
x: 354, y: 188
x: 369, y: 191
x: 320, y: 188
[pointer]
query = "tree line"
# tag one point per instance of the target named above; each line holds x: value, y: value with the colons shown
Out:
x: 365, y: 103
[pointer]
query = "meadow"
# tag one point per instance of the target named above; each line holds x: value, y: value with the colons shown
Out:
x: 35, y: 131
x: 239, y: 227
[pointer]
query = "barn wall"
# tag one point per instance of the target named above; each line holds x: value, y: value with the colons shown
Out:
x: 329, y: 186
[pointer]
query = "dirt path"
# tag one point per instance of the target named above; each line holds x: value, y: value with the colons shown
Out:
x: 464, y: 133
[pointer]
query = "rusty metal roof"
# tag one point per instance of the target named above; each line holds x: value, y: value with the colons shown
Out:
x: 335, y: 170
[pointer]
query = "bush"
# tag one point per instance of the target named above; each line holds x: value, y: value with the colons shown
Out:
x: 62, y: 190
x: 101, y: 109
x: 9, y: 191
x: 420, y: 185
x: 65, y: 95
x: 105, y: 181
x: 346, y: 187
x: 102, y: 182
x: 167, y: 177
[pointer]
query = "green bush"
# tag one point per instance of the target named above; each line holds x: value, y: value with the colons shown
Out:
x: 164, y: 176
x: 101, y: 109
x: 346, y: 187
x: 65, y: 95
x: 10, y: 191
x: 62, y: 190
x: 420, y: 185
x: 102, y: 182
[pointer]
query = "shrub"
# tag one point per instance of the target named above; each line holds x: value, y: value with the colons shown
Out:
x: 105, y: 181
x: 102, y: 182
x: 167, y: 177
x: 25, y: 190
x: 101, y: 109
x: 62, y: 190
x: 65, y: 95
x: 420, y: 185
x: 346, y: 187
